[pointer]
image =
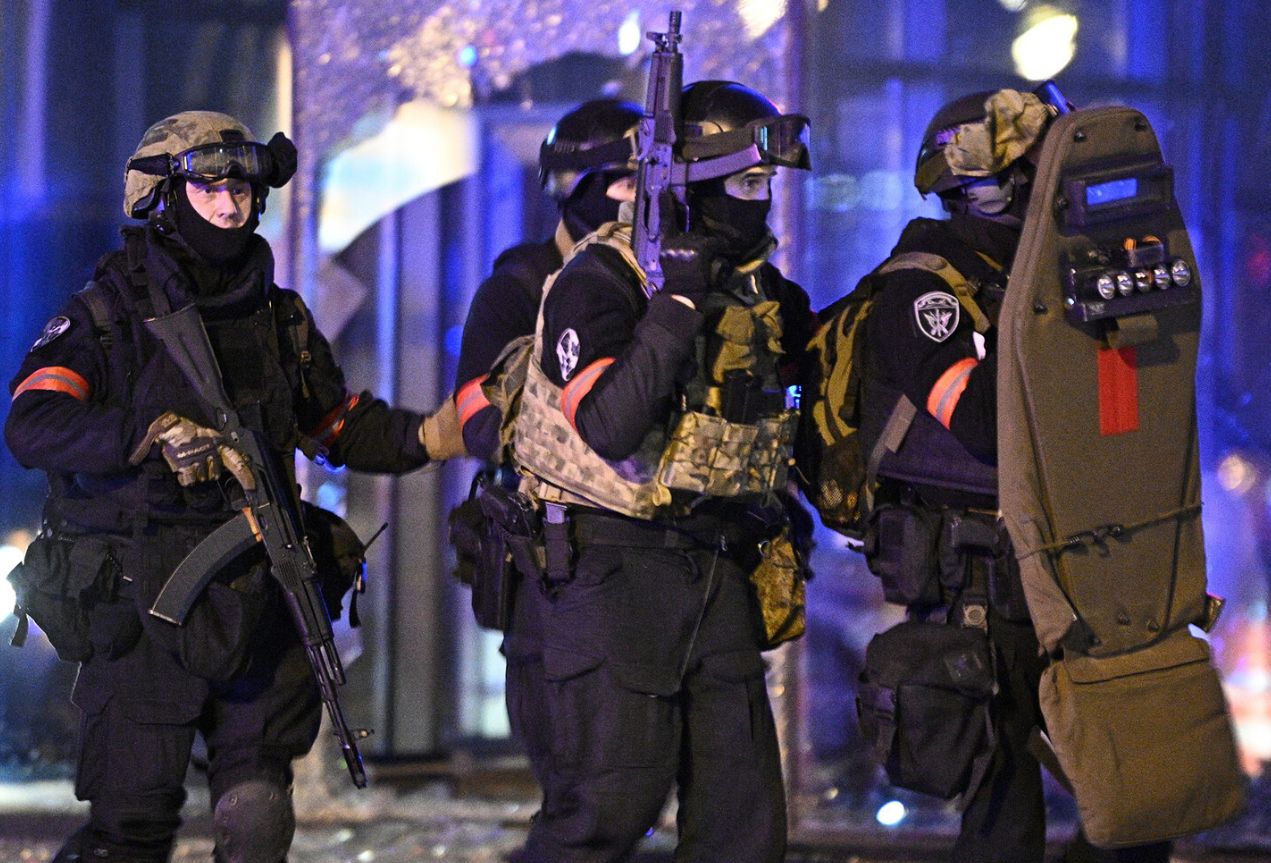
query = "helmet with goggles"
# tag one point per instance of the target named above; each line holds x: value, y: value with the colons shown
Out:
x: 596, y: 137
x: 728, y: 127
x: 206, y: 147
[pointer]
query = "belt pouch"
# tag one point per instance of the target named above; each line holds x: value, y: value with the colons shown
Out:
x: 923, y: 704
x: 901, y: 549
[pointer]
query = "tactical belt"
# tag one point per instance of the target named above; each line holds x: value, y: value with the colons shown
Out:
x: 596, y: 528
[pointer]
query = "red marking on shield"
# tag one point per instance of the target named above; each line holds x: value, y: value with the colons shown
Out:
x: 1118, y: 391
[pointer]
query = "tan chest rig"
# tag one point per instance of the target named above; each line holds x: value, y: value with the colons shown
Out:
x: 702, y: 455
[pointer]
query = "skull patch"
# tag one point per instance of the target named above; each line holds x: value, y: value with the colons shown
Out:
x: 567, y: 347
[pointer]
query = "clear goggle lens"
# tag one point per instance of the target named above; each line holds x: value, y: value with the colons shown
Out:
x: 212, y: 162
x: 784, y: 141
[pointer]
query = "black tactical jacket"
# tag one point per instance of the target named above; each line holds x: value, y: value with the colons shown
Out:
x: 85, y: 396
x: 504, y: 307
x: 598, y: 305
x: 910, y: 355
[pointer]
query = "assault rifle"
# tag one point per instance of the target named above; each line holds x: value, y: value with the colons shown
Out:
x: 656, y: 176
x: 271, y: 516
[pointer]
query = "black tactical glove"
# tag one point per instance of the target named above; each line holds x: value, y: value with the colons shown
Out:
x: 194, y: 452
x: 690, y: 261
x: 283, y: 153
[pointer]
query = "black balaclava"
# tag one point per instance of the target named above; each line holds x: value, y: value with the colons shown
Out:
x: 223, y: 248
x: 589, y: 207
x: 742, y: 225
x: 998, y: 240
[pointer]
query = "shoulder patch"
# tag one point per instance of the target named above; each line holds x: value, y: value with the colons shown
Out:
x: 54, y: 328
x: 567, y: 348
x: 937, y: 314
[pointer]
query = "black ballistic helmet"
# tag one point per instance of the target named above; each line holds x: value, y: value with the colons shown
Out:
x: 728, y: 127
x: 596, y: 136
x: 931, y: 172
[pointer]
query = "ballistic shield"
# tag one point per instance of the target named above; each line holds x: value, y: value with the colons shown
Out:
x: 1100, y: 482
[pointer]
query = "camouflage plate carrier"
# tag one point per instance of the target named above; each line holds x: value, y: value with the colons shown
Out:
x: 703, y: 455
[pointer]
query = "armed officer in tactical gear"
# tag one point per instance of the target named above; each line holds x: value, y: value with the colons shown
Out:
x: 139, y: 477
x: 930, y: 345
x: 653, y: 430
x: 587, y: 164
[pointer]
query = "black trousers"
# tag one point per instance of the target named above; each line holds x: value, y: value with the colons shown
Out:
x: 1005, y: 821
x: 525, y: 683
x: 140, y: 714
x: 653, y: 681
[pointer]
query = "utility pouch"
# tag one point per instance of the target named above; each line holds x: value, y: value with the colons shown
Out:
x: 923, y: 704
x: 780, y: 586
x: 1006, y: 589
x: 340, y: 556
x: 57, y: 585
x: 467, y: 526
x: 508, y: 541
x: 900, y: 548
x: 1157, y: 714
x: 710, y: 456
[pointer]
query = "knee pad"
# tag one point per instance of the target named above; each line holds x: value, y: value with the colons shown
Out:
x: 254, y: 823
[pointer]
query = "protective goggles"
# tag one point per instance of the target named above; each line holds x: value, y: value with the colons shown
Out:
x: 781, y: 141
x: 210, y: 163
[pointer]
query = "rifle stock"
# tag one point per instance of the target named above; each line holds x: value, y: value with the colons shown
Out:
x: 276, y: 511
x: 656, y: 175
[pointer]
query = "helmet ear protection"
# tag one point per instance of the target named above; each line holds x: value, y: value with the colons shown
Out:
x: 998, y: 198
x: 991, y: 196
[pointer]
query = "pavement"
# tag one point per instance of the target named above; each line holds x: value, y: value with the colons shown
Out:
x: 477, y: 812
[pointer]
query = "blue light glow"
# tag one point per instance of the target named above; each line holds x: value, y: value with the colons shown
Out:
x: 468, y: 56
x: 1113, y: 190
x: 331, y: 496
x: 891, y: 813
x: 10, y: 556
x: 454, y: 339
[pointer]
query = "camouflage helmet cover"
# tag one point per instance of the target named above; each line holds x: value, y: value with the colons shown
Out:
x: 174, y: 135
x: 979, y: 135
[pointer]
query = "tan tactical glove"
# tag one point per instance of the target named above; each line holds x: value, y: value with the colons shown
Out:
x: 440, y: 433
x: 194, y: 452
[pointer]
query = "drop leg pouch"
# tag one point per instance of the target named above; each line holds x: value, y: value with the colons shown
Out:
x: 1146, y: 741
x: 923, y: 703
